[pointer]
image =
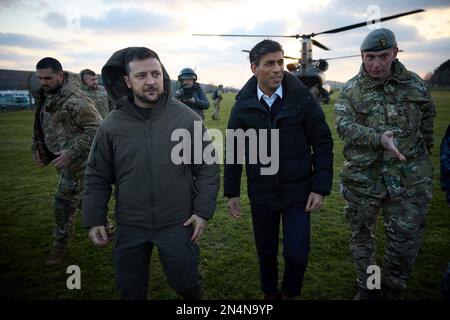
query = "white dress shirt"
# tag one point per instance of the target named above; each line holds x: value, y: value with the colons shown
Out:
x: 270, y: 100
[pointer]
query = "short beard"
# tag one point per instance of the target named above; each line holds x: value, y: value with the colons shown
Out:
x: 52, y: 91
x: 144, y: 99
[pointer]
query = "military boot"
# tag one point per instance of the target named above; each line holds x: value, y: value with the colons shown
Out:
x: 288, y: 296
x: 56, y: 255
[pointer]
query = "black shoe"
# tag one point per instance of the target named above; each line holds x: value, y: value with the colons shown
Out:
x: 288, y: 296
x: 271, y: 297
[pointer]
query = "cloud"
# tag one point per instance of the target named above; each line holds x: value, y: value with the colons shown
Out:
x: 9, y: 3
x: 346, y: 42
x: 389, y: 7
x: 55, y: 20
x: 35, y: 5
x: 119, y: 20
x: 14, y: 60
x: 26, y: 41
x: 231, y: 49
x: 438, y: 46
x: 9, y: 55
x: 269, y: 27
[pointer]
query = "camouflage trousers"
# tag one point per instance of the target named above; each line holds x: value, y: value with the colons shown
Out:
x: 404, y: 222
x: 67, y: 201
x: 215, y: 115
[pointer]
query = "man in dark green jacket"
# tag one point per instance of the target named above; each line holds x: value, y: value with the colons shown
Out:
x: 158, y: 202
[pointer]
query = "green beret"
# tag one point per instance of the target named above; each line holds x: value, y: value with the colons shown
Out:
x: 378, y: 39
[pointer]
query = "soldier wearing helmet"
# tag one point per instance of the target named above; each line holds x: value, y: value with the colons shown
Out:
x: 190, y: 92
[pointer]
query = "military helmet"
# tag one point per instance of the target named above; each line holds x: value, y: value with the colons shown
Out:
x: 187, y: 73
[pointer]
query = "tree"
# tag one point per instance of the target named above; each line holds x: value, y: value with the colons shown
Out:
x: 441, y: 76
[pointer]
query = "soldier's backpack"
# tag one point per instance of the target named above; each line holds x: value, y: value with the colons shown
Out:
x: 215, y: 95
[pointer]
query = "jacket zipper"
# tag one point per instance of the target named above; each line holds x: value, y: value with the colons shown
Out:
x: 152, y: 199
x: 270, y: 126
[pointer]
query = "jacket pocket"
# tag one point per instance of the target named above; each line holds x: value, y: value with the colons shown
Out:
x: 293, y: 143
x: 357, y: 176
x: 412, y: 114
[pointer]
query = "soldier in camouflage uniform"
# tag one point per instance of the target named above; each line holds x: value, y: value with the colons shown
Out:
x: 385, y: 117
x: 65, y: 125
x: 217, y: 97
x: 97, y: 93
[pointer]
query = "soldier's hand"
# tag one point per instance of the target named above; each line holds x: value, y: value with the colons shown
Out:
x: 37, y: 160
x: 199, y: 227
x: 314, y: 202
x: 387, y: 141
x: 63, y: 159
x: 234, y: 207
x: 98, y: 236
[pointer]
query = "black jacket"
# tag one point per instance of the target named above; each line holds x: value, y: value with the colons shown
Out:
x: 201, y: 101
x: 305, y: 147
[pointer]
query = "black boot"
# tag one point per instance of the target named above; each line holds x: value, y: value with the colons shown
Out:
x: 271, y: 297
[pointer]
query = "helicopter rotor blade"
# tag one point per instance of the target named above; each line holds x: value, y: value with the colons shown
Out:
x: 318, y: 44
x: 352, y: 56
x: 244, y: 35
x: 357, y: 25
x: 343, y: 57
x: 292, y: 58
x: 287, y: 57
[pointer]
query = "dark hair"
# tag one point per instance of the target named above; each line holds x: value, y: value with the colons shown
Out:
x: 139, y: 53
x: 49, y: 63
x: 262, y: 48
x: 86, y: 72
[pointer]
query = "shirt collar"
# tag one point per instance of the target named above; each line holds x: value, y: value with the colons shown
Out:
x: 270, y: 100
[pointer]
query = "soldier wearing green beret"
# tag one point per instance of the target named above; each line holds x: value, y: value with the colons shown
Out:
x: 385, y: 116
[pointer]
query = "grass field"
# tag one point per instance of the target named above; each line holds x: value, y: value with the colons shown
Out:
x: 228, y: 259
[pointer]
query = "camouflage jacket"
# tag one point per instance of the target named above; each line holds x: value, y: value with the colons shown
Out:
x: 65, y: 120
x: 365, y: 109
x: 100, y: 98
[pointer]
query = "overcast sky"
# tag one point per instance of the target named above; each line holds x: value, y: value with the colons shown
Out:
x: 84, y: 34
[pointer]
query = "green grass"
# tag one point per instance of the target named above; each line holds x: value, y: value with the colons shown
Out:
x: 228, y: 258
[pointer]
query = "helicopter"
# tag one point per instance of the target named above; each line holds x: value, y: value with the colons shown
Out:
x: 312, y: 72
